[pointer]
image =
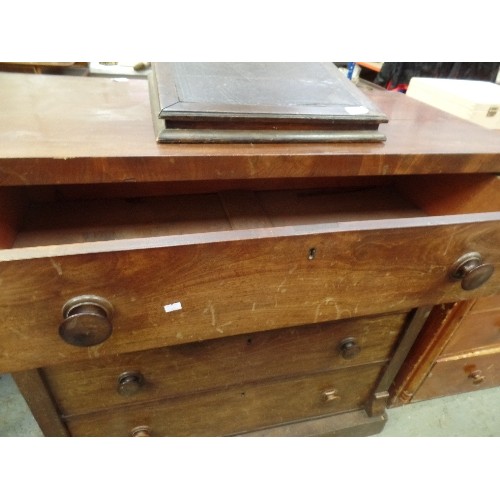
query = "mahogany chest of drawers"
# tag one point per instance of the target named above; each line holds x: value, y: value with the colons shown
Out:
x: 209, y: 290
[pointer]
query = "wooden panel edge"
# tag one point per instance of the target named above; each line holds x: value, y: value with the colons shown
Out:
x: 39, y: 399
x: 351, y: 424
x: 453, y: 194
x: 11, y: 212
x: 243, y: 210
x: 435, y: 335
x: 378, y: 402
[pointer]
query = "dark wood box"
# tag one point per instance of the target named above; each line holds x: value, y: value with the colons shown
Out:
x: 260, y: 102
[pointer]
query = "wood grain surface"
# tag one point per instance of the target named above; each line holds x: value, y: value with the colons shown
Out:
x: 479, y: 330
x: 443, y: 320
x: 77, y: 130
x: 237, y: 409
x: 74, y: 150
x: 459, y: 374
x: 234, y: 282
x: 190, y: 368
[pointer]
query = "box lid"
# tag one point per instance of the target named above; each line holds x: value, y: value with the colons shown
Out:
x: 260, y: 102
x: 473, y: 100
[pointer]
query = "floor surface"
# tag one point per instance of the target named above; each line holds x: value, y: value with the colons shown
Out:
x: 473, y: 414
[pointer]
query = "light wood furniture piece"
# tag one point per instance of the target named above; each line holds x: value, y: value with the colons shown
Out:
x: 176, y: 290
x: 458, y: 352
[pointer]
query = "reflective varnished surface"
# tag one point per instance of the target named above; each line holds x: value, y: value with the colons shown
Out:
x: 101, y: 131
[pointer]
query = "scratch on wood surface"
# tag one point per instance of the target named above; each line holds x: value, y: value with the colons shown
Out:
x: 220, y: 327
x: 211, y: 310
x: 326, y: 301
x: 340, y: 313
x: 93, y: 351
x: 56, y: 266
x: 450, y: 241
x: 400, y: 301
x: 16, y: 174
x: 316, y: 315
x: 280, y: 287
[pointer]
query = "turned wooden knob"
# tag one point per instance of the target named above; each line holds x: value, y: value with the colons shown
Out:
x: 349, y: 348
x: 130, y: 383
x: 477, y: 377
x: 471, y: 271
x: 141, y: 431
x: 330, y: 395
x: 87, y: 321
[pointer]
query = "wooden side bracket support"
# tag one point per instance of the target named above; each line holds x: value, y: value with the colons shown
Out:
x: 378, y: 402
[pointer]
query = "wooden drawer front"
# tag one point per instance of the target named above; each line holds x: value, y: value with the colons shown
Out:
x: 198, y: 287
x: 487, y: 304
x: 458, y: 375
x: 478, y: 330
x: 238, y: 409
x: 172, y: 371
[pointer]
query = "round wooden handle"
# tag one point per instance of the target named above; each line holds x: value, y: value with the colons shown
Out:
x: 141, y: 431
x: 471, y: 271
x: 86, y: 321
x: 330, y: 395
x: 349, y: 348
x: 477, y: 377
x: 130, y: 383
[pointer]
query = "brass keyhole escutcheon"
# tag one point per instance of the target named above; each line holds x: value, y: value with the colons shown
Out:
x: 471, y: 271
x: 86, y: 321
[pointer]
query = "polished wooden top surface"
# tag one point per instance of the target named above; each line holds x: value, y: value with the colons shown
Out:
x: 66, y: 129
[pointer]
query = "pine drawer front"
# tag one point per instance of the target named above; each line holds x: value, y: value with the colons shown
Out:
x: 479, y: 330
x: 460, y: 374
x: 175, y: 290
x: 189, y: 368
x: 237, y: 409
